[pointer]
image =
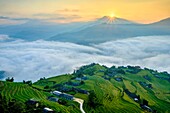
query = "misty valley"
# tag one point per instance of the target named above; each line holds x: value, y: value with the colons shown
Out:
x: 62, y: 62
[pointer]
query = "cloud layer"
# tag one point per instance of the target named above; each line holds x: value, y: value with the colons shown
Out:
x: 32, y: 60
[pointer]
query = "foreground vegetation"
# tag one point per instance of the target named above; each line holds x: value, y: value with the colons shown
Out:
x: 104, y: 90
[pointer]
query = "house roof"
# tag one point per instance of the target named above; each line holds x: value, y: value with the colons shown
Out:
x: 57, y: 92
x: 32, y: 101
x: 48, y: 109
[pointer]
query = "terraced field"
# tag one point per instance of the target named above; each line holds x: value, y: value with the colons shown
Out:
x: 115, y: 90
x: 111, y: 92
x: 23, y: 92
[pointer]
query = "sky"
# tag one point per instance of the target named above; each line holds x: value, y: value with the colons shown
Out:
x: 47, y: 58
x: 144, y: 11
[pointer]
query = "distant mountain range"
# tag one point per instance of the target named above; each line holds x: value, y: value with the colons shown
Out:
x: 37, y: 29
x: 100, y: 30
x: 108, y: 29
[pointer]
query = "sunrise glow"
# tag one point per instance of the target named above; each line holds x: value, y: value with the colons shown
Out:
x: 112, y: 15
x: 70, y: 11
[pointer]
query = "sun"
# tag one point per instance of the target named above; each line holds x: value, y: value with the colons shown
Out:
x: 112, y: 15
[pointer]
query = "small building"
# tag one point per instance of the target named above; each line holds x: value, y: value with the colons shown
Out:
x: 136, y: 99
x: 153, y: 72
x: 79, y: 79
x: 101, y: 70
x: 63, y: 95
x: 80, y: 90
x: 84, y: 77
x: 132, y: 95
x: 147, y: 77
x: 66, y: 96
x: 118, y: 79
x: 58, y: 93
x: 157, y: 76
x: 145, y: 107
x: 54, y: 99
x: 33, y: 102
x: 76, y: 83
x: 47, y: 110
x: 145, y: 85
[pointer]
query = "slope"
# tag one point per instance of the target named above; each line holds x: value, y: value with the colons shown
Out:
x: 114, y: 89
x: 117, y: 28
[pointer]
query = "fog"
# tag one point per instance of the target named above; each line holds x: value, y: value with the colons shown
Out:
x: 31, y: 60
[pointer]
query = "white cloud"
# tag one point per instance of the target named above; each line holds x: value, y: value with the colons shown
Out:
x: 4, y: 37
x: 32, y: 60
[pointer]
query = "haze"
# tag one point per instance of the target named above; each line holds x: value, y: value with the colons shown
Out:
x: 143, y: 11
x: 33, y: 60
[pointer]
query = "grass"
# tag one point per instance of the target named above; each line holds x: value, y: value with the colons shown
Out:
x: 110, y: 93
x: 23, y: 92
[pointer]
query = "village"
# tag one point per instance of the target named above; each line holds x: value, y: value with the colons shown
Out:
x: 65, y: 91
x: 61, y: 96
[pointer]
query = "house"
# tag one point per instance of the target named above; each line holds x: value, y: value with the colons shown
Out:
x: 65, y: 88
x: 33, y: 102
x: 66, y: 96
x: 154, y: 73
x: 132, y: 95
x: 145, y: 85
x: 79, y: 79
x: 136, y: 99
x: 147, y: 77
x: 62, y: 95
x: 133, y: 69
x: 119, y: 79
x: 101, y: 70
x: 58, y: 93
x: 145, y: 107
x: 84, y: 77
x: 75, y: 83
x: 157, y: 76
x: 111, y: 74
x: 54, y: 99
x: 57, y: 85
x: 81, y: 90
x: 47, y: 110
x: 106, y: 77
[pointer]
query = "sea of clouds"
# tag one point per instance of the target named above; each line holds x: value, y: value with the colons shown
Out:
x: 32, y: 60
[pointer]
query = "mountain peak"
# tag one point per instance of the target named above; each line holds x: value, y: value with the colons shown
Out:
x: 163, y: 22
x: 113, y: 20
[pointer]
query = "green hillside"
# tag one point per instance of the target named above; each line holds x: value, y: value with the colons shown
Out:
x: 104, y: 90
x: 23, y: 92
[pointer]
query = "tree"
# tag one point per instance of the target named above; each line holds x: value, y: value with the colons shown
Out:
x: 92, y: 99
x: 28, y: 82
x: 82, y: 82
x: 11, y: 106
x: 10, y: 79
x: 121, y: 71
x: 62, y: 101
x: 17, y: 107
x: 145, y: 102
x: 46, y: 87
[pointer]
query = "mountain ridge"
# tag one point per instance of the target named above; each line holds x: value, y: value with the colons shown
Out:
x: 104, y: 31
x: 110, y: 28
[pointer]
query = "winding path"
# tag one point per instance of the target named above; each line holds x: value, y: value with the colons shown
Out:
x: 80, y: 101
